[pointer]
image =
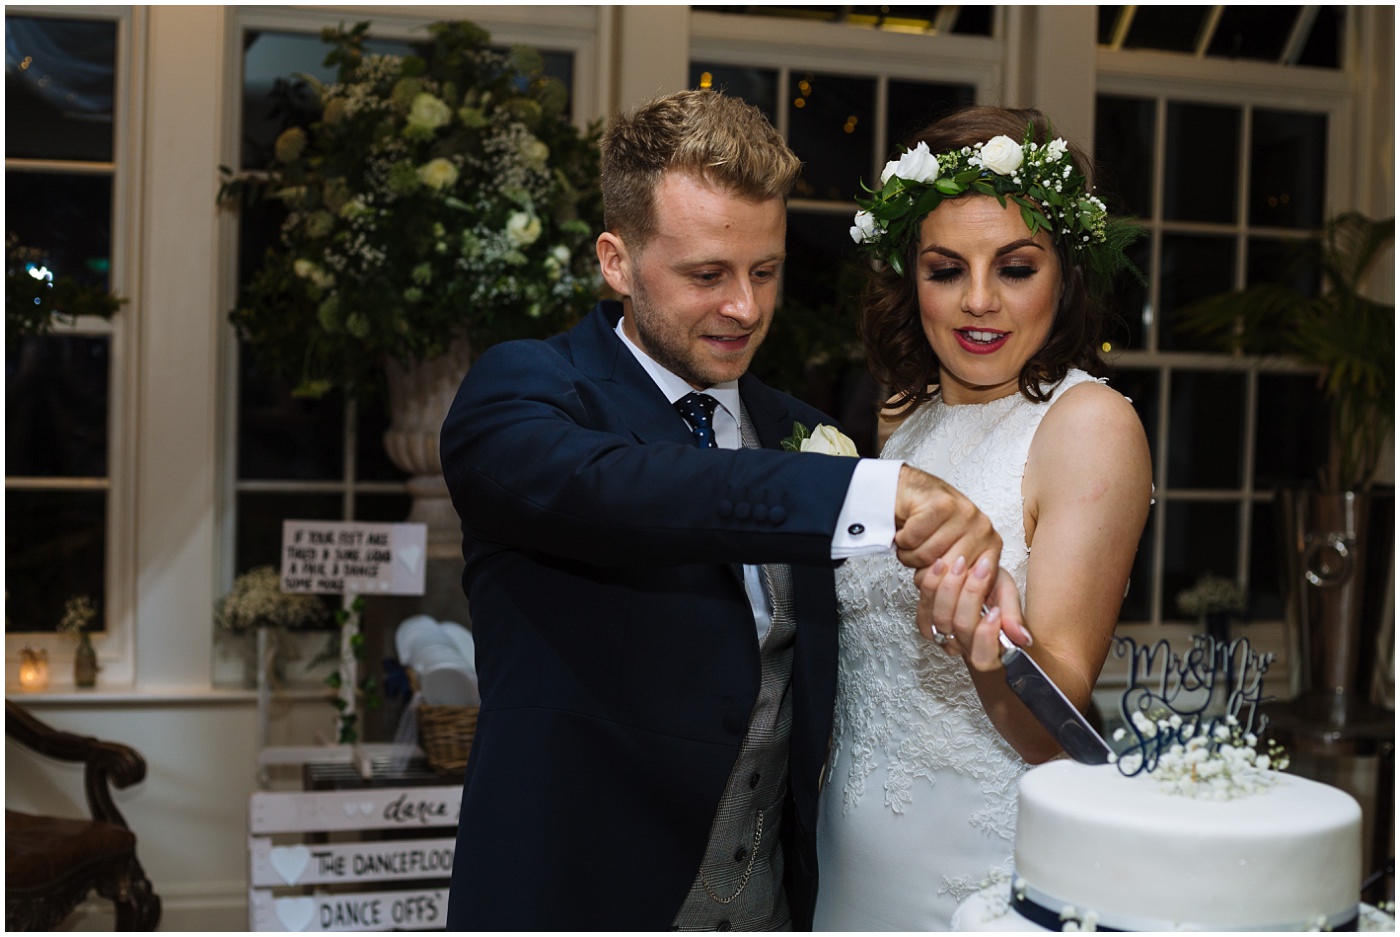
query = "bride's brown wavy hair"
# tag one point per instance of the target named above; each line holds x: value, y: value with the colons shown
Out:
x: 898, y: 352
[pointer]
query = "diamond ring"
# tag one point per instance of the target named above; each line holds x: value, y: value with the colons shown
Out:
x: 940, y: 638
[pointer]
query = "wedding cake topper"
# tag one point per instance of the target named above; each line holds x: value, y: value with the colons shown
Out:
x: 1195, y: 717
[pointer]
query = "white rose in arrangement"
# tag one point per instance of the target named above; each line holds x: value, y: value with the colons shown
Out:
x: 523, y: 229
x: 438, y: 174
x: 429, y: 113
x: 916, y: 165
x: 534, y: 153
x: 864, y: 228
x: 828, y: 440
x: 1002, y: 155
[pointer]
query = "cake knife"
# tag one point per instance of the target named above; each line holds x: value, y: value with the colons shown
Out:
x: 1052, y: 708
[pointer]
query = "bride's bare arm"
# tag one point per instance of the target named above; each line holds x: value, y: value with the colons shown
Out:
x: 1087, y: 491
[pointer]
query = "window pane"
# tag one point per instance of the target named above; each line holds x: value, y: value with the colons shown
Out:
x: 1292, y: 434
x: 55, y: 550
x: 1207, y: 424
x: 1128, y: 312
x: 260, y: 517
x: 1192, y: 194
x: 1124, y: 153
x: 1193, y: 267
x: 831, y: 122
x: 371, y: 460
x: 59, y: 88
x: 286, y: 437
x: 382, y: 509
x: 757, y: 86
x: 957, y: 20
x: 1167, y: 28
x: 913, y: 105
x: 273, y: 98
x: 1323, y: 48
x: 68, y: 217
x: 1141, y: 387
x: 1202, y: 538
x: 56, y: 407
x: 1287, y: 165
x: 1253, y: 32
x: 1265, y: 594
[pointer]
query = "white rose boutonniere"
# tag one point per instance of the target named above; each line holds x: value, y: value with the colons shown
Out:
x: 824, y: 439
x: 1002, y: 155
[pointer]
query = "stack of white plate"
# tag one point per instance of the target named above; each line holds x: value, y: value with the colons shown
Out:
x: 443, y: 656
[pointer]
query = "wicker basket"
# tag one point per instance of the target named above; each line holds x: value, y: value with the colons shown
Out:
x: 445, y: 734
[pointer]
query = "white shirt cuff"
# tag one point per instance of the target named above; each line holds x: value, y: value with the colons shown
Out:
x: 866, y: 523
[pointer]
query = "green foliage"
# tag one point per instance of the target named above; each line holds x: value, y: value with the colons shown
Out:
x: 34, y: 303
x: 430, y: 198
x: 1350, y: 337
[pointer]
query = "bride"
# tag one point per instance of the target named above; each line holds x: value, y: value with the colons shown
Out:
x: 982, y: 321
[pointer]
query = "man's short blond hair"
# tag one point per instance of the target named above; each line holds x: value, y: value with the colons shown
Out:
x: 717, y: 139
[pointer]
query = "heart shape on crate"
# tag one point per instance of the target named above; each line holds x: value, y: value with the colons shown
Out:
x: 296, y: 914
x: 289, y: 862
x: 364, y: 807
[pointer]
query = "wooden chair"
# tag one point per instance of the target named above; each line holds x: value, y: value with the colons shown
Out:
x: 53, y: 863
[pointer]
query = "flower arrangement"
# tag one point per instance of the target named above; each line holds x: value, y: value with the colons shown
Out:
x: 433, y: 198
x: 78, y: 613
x: 1041, y: 180
x: 257, y: 601
x: 1209, y: 595
x: 1219, y: 761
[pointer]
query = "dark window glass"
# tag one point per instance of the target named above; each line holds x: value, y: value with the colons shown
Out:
x: 1167, y: 28
x: 831, y: 126
x: 1291, y: 444
x: 382, y: 509
x: 1201, y: 538
x: 757, y: 86
x: 56, y: 406
x: 286, y: 437
x: 1193, y: 267
x: 1192, y: 130
x: 1270, y: 260
x: 1288, y: 162
x: 1141, y: 387
x: 258, y: 541
x: 1108, y: 21
x: 913, y: 105
x: 958, y: 20
x: 66, y: 216
x: 1207, y: 424
x: 1253, y: 32
x: 59, y: 88
x: 1266, y: 565
x: 1124, y: 153
x: 55, y: 550
x: 1323, y: 48
x: 1127, y: 310
x: 371, y: 460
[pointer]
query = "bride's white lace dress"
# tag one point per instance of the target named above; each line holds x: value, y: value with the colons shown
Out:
x: 919, y: 808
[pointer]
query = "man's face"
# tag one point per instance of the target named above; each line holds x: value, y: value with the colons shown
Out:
x: 699, y: 296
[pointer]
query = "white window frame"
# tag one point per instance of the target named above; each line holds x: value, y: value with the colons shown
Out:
x: 115, y: 643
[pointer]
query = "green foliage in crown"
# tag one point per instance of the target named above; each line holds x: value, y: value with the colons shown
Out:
x: 1041, y: 180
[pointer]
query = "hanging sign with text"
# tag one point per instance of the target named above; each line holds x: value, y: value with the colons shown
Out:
x: 353, y: 558
x: 422, y: 909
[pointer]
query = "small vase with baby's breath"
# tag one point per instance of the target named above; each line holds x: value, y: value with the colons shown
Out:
x: 78, y: 614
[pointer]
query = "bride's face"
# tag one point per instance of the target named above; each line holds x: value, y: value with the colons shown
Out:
x: 987, y: 294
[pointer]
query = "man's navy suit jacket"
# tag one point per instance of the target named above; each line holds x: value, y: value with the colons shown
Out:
x: 616, y: 647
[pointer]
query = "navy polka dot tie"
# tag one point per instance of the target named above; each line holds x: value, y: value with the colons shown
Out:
x: 699, y: 410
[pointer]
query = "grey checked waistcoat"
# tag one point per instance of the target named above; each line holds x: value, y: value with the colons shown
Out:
x: 740, y: 883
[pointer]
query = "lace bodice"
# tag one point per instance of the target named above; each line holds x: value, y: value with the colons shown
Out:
x: 907, y: 714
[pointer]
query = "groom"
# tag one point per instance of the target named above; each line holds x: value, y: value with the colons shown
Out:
x: 651, y: 578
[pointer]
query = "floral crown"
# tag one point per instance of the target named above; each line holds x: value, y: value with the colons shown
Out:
x: 1042, y: 180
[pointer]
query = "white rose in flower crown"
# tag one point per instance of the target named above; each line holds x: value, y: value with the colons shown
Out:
x: 916, y: 165
x: 828, y: 440
x: 438, y: 174
x: 864, y: 228
x: 1002, y: 155
x: 523, y: 229
x: 1056, y: 148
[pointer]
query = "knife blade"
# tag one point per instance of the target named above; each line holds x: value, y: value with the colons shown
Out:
x: 1052, y: 708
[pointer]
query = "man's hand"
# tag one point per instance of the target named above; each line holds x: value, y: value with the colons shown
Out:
x: 954, y: 550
